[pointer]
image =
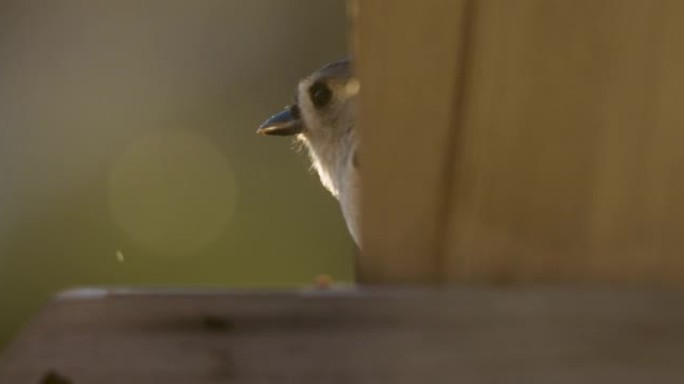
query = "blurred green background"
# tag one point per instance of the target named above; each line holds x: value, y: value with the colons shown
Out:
x: 128, y: 154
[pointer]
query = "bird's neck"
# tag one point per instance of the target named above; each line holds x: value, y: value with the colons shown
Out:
x: 330, y: 157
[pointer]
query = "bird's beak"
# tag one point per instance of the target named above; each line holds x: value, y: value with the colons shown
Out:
x: 284, y: 123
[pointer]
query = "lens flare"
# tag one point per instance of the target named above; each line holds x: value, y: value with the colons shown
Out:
x: 172, y: 192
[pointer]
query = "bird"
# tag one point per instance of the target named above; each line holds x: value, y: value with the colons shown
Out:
x: 323, y: 118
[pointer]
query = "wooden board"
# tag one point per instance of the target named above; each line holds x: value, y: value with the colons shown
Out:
x: 408, y: 85
x: 570, y: 161
x: 353, y: 336
x: 530, y: 141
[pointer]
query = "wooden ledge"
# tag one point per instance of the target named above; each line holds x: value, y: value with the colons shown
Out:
x: 349, y: 335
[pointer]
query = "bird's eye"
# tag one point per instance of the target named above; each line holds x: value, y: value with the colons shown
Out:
x: 320, y: 94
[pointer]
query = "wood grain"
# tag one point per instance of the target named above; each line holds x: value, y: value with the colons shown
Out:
x: 522, y: 142
x: 570, y: 155
x: 408, y: 60
x: 353, y: 336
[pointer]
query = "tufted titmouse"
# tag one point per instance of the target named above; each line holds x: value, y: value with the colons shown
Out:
x: 323, y: 117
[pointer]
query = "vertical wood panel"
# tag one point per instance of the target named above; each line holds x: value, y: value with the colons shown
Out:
x: 569, y: 161
x: 563, y: 161
x: 408, y: 57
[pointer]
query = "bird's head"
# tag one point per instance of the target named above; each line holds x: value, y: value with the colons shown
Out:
x: 324, y: 111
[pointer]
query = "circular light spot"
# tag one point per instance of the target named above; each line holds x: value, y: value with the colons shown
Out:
x: 172, y: 192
